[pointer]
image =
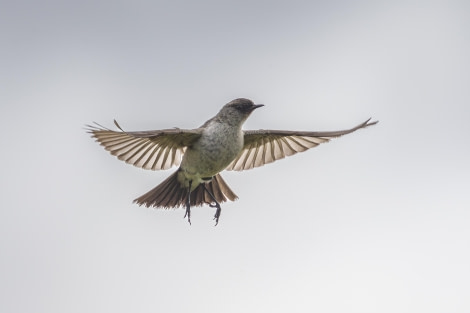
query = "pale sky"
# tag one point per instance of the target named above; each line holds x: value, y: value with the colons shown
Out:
x: 376, y: 221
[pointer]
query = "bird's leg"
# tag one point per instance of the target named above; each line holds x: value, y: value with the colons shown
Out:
x: 188, y: 204
x: 216, y: 205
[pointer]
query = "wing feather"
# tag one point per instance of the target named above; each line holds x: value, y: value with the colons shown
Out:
x: 266, y: 146
x: 151, y: 150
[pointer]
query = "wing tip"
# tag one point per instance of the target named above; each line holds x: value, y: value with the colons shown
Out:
x: 118, y: 126
x: 368, y: 123
x: 96, y: 127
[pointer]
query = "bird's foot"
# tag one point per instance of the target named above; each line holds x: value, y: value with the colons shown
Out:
x: 188, y: 214
x: 188, y: 204
x: 217, y: 212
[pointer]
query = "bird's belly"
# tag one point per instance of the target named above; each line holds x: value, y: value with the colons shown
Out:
x: 211, y: 156
x: 208, y: 162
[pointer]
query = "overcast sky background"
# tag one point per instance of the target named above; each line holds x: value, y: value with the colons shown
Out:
x: 376, y: 221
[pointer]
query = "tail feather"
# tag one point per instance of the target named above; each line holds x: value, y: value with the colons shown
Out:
x: 170, y: 194
x: 224, y: 188
x: 159, y: 194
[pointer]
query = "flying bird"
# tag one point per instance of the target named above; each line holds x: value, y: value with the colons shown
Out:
x: 202, y: 153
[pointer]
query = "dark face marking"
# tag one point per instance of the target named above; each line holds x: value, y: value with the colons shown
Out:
x: 244, y: 106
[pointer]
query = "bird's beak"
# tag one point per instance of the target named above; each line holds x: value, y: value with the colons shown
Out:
x: 257, y: 106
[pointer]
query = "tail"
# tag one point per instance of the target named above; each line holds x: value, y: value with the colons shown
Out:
x: 170, y: 194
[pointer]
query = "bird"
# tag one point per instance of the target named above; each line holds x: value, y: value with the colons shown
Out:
x: 202, y: 153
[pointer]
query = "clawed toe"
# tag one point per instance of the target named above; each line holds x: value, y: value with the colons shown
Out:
x: 188, y: 214
x: 217, y: 213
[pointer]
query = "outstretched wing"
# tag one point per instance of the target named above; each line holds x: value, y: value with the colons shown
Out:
x: 266, y: 146
x: 150, y: 150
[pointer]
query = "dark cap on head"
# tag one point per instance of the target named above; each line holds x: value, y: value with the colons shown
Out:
x: 244, y: 105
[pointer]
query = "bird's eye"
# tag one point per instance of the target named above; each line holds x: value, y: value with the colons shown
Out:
x: 243, y: 108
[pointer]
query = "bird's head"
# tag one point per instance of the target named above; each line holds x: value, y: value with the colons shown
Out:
x: 238, y: 110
